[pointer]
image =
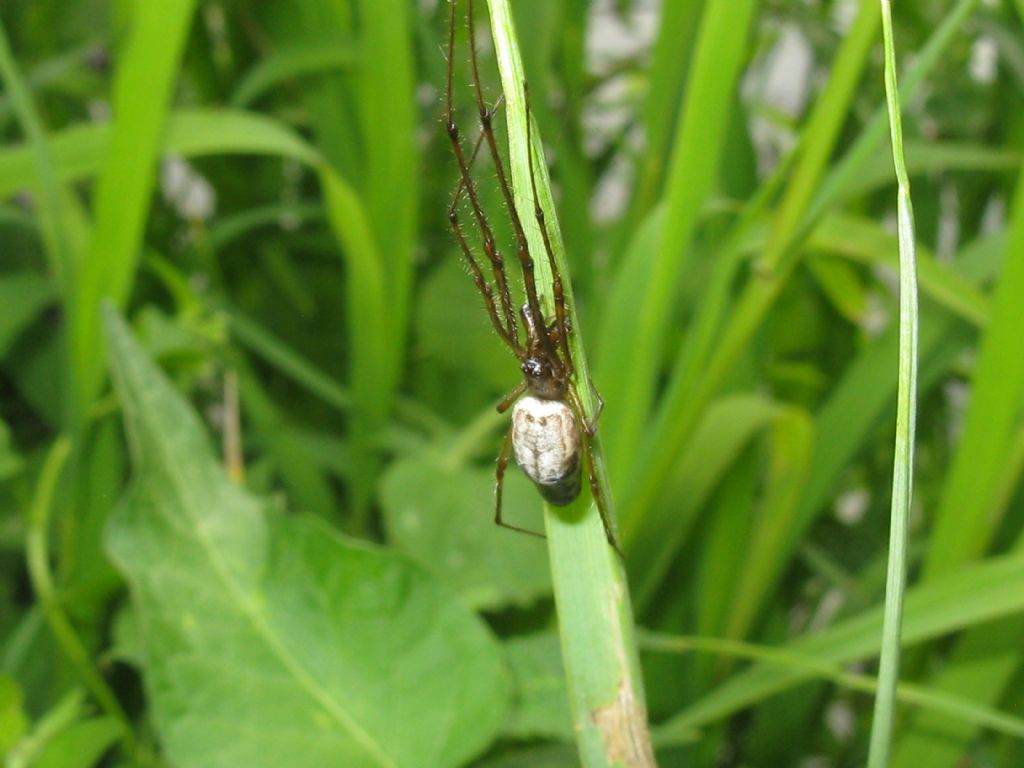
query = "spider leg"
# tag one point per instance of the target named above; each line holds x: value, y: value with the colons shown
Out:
x: 595, y: 487
x: 506, y: 449
x: 561, y: 320
x: 522, y: 245
x: 507, y: 329
x: 562, y: 323
x: 505, y: 332
x: 511, y: 397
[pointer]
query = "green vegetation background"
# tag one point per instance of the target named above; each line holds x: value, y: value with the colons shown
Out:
x: 260, y: 190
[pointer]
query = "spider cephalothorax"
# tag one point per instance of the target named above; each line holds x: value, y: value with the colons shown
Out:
x: 549, y: 435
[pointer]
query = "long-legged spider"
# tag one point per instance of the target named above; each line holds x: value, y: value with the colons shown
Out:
x: 549, y: 434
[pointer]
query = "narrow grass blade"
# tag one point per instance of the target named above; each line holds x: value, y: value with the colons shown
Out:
x: 389, y: 195
x: 972, y: 596
x: 728, y: 426
x: 291, y: 62
x: 147, y: 71
x: 80, y: 152
x: 866, y: 241
x: 906, y: 413
x: 972, y: 504
x: 684, y: 403
x: 928, y: 699
x: 58, y: 246
x: 56, y: 211
x: 792, y: 441
x: 633, y: 343
x: 685, y: 400
x: 38, y: 556
x: 962, y: 528
x: 595, y: 618
x: 673, y: 51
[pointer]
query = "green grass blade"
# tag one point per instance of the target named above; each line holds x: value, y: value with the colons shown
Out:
x: 821, y: 133
x: 792, y: 440
x: 673, y: 50
x: 288, y: 361
x: 962, y: 528
x: 972, y: 504
x: 906, y: 410
x: 595, y: 618
x: 633, y: 343
x: 980, y: 670
x: 972, y: 596
x: 147, y: 71
x: 853, y: 164
x: 931, y: 157
x: 728, y: 426
x: 58, y: 246
x: 310, y: 58
x: 38, y: 556
x: 927, y: 699
x: 866, y: 241
x: 389, y: 195
x: 685, y: 401
x: 79, y: 151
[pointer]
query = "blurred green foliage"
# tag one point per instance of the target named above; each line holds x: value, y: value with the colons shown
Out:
x: 260, y: 190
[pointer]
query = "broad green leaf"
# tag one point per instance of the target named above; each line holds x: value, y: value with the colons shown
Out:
x: 540, y: 703
x: 81, y: 745
x: 270, y: 640
x: 444, y: 518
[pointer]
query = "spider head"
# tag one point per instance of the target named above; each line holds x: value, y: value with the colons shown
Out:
x: 541, y: 379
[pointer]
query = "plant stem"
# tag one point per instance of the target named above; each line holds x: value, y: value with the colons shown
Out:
x: 595, y: 617
x: 37, y: 552
x: 906, y: 406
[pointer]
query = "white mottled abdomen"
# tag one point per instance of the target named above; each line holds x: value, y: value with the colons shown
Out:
x: 546, y: 444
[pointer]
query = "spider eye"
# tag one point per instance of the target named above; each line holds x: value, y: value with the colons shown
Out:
x: 532, y: 368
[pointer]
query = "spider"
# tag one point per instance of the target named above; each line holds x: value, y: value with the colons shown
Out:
x: 549, y: 434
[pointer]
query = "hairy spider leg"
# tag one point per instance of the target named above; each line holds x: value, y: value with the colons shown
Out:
x: 586, y: 435
x: 509, y: 330
x: 522, y: 245
x: 499, y: 487
x: 568, y: 368
x: 562, y: 320
x: 474, y: 267
x: 511, y: 397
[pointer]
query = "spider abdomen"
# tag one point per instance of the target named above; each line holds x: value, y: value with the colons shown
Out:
x: 546, y: 444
